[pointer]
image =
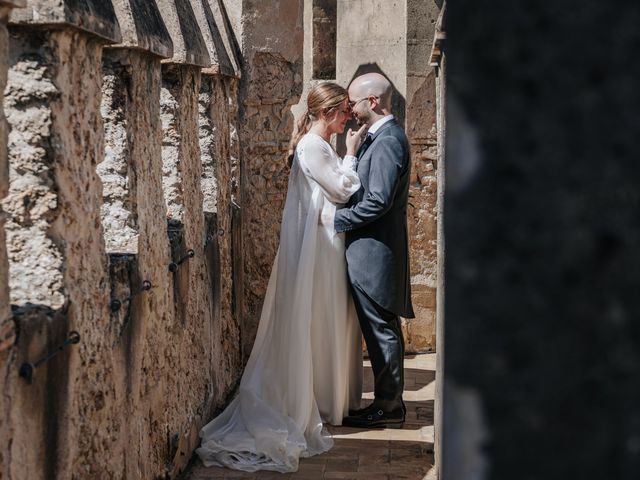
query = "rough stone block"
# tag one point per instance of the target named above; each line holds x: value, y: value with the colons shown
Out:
x: 4, y: 168
x: 398, y: 52
x: 54, y: 236
x: 212, y: 152
x: 142, y: 27
x: 92, y: 16
x: 7, y: 325
x: 179, y: 114
x: 118, y: 170
x: 32, y: 201
x: 212, y: 24
x: 189, y: 46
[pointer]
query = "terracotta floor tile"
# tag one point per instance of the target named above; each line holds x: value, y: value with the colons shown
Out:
x: 266, y: 475
x: 356, y: 476
x: 316, y: 460
x: 374, y: 464
x: 374, y: 456
x: 236, y: 474
x: 342, y: 465
x: 305, y: 466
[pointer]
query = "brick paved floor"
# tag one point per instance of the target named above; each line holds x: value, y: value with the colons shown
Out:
x: 368, y: 454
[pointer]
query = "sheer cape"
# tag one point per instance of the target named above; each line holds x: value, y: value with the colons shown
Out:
x: 274, y: 420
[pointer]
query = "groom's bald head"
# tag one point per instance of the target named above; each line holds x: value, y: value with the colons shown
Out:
x: 372, y: 84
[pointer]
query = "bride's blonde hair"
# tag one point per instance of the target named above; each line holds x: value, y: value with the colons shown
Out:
x: 323, y: 98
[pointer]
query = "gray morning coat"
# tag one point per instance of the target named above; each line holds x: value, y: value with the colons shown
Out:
x: 375, y: 221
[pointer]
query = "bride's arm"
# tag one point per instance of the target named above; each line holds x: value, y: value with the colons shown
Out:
x: 348, y: 163
x: 337, y: 179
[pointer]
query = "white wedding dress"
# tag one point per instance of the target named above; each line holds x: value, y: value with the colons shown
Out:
x: 306, y: 362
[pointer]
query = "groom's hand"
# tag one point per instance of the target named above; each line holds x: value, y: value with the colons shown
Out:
x: 354, y: 139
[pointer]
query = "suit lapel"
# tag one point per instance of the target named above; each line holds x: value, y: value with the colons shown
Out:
x: 386, y: 125
x: 371, y: 138
x: 364, y: 146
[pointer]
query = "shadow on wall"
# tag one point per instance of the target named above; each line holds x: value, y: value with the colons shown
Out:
x: 398, y: 103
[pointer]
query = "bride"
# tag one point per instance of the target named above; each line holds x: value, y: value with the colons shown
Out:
x: 306, y: 362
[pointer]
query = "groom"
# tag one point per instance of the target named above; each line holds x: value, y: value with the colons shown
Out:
x: 375, y: 222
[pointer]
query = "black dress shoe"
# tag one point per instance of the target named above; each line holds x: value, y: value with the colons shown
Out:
x: 360, y: 411
x: 373, y: 418
x: 372, y: 406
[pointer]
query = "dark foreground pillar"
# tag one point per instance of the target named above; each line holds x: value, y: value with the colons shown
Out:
x: 542, y: 337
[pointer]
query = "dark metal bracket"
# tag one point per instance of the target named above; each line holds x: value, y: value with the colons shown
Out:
x: 116, y: 304
x: 173, y: 266
x: 27, y: 369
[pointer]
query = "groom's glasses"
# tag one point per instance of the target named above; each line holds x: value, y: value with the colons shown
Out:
x: 355, y: 102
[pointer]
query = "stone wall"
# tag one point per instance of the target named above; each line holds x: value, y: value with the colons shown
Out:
x: 7, y: 326
x: 59, y: 272
x: 422, y: 131
x: 106, y: 189
x: 271, y: 83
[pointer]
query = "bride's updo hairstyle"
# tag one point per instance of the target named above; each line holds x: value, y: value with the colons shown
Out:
x: 323, y: 98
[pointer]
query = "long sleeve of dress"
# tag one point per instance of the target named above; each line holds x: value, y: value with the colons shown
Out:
x: 336, y: 177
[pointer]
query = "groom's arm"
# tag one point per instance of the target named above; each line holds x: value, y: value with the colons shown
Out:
x: 384, y: 175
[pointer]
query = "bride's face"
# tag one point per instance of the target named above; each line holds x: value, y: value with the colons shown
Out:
x: 337, y: 120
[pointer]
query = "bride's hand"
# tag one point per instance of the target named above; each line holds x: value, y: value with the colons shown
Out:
x: 354, y: 139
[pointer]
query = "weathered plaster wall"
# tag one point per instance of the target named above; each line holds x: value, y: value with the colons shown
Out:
x: 216, y: 119
x: 7, y: 326
x: 141, y: 325
x: 129, y: 399
x: 193, y: 300
x: 309, y: 81
x: 271, y: 83
x: 56, y: 252
x: 186, y: 311
x: 422, y: 214
x: 372, y: 34
x: 118, y: 175
x: 209, y: 139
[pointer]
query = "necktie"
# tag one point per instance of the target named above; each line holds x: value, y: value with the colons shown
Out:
x: 367, y: 141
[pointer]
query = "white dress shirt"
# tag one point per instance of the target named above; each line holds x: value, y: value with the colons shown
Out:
x: 376, y: 126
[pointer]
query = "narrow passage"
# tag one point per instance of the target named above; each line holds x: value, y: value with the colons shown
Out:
x: 387, y: 454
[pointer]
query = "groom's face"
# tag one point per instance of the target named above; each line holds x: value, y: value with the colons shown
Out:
x: 359, y: 104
